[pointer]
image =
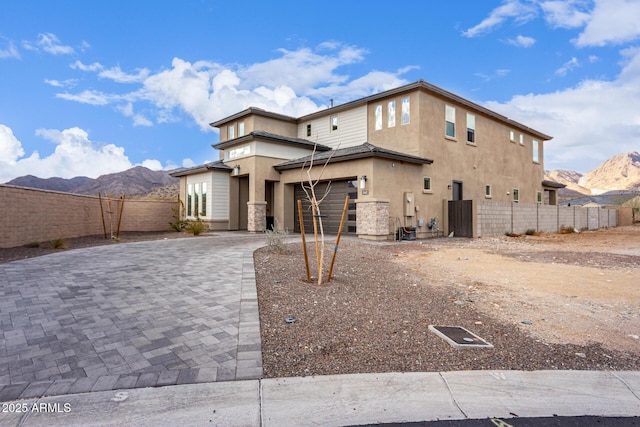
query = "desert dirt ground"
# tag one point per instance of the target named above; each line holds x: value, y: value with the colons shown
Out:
x: 561, y: 288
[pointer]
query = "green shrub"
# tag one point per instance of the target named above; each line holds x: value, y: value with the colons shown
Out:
x: 34, y: 244
x: 196, y: 227
x: 531, y: 232
x: 178, y: 224
x: 276, y: 238
x: 58, y: 244
x: 566, y: 230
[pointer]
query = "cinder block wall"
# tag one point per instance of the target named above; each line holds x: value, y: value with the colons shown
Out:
x: 548, y: 218
x: 498, y: 218
x: 494, y: 218
x: 28, y: 215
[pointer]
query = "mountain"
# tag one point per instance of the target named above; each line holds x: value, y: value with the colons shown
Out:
x: 620, y: 173
x: 137, y: 181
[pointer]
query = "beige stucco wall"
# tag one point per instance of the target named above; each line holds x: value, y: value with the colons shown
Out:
x: 492, y: 160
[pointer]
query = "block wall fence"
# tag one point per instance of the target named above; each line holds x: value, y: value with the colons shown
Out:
x: 28, y: 215
x: 498, y: 218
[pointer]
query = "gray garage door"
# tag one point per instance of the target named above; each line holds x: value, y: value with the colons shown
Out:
x: 331, y: 207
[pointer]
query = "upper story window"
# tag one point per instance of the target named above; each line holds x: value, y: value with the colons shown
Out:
x: 334, y: 123
x: 378, y: 117
x: 450, y: 121
x: 426, y: 184
x: 516, y: 195
x: 536, y: 151
x: 512, y: 136
x: 487, y: 191
x: 405, y: 116
x: 471, y: 128
x: 391, y: 114
x: 521, y: 139
x: 241, y: 129
x: 309, y: 129
x: 231, y: 132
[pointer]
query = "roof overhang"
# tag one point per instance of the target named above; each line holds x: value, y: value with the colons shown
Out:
x: 363, y: 151
x: 270, y: 137
x: 211, y: 166
x: 552, y: 184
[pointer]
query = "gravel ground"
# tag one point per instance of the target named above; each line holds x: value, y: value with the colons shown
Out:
x: 374, y: 317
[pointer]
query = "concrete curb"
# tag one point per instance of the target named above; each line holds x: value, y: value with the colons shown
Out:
x: 338, y: 400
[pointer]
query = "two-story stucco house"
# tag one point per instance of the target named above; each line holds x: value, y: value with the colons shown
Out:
x: 400, y: 155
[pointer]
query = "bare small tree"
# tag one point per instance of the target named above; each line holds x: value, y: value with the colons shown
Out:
x: 309, y: 188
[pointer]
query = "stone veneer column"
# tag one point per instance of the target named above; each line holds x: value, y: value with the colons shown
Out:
x: 256, y: 217
x: 372, y: 219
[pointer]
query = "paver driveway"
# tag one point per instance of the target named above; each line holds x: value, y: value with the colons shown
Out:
x: 130, y: 315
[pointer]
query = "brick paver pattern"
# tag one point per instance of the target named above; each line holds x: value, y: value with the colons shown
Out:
x: 131, y: 315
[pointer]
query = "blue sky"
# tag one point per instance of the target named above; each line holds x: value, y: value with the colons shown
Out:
x: 88, y: 88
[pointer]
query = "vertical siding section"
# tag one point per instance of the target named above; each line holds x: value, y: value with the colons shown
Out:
x: 352, y: 128
x: 219, y: 196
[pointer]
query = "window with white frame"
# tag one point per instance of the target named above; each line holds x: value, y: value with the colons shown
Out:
x: 309, y: 129
x: 231, y: 132
x: 189, y: 198
x: 450, y: 121
x: 391, y: 114
x: 241, y: 129
x: 512, y: 136
x: 426, y: 184
x: 521, y: 139
x: 378, y: 117
x: 471, y: 128
x: 536, y: 151
x: 487, y: 191
x: 405, y: 114
x: 196, y: 205
x: 334, y: 123
x: 196, y: 190
x: 203, y: 210
x: 516, y: 195
x: 539, y: 196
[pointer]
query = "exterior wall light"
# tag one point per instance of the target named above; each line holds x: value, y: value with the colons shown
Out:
x: 236, y: 170
x: 363, y: 181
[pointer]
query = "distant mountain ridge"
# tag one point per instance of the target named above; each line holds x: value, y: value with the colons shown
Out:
x: 621, y: 173
x: 137, y: 181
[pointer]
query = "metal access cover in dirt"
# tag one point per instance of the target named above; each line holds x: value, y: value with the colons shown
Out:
x: 459, y: 337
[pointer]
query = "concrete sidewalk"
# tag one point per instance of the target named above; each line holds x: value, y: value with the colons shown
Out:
x: 341, y: 400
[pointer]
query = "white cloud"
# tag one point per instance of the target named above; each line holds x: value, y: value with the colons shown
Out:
x: 568, y: 66
x: 589, y: 122
x: 10, y: 51
x: 565, y: 13
x: 612, y: 22
x: 51, y: 44
x: 510, y: 9
x: 91, y: 97
x: 117, y: 75
x: 74, y: 155
x: 96, y: 66
x: 522, y: 41
x: 188, y: 163
x: 61, y: 83
x: 207, y: 91
x: 10, y: 148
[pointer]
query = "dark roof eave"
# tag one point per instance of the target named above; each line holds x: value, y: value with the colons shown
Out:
x: 357, y: 156
x: 200, y: 168
x: 249, y: 111
x: 552, y: 184
x: 269, y: 138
